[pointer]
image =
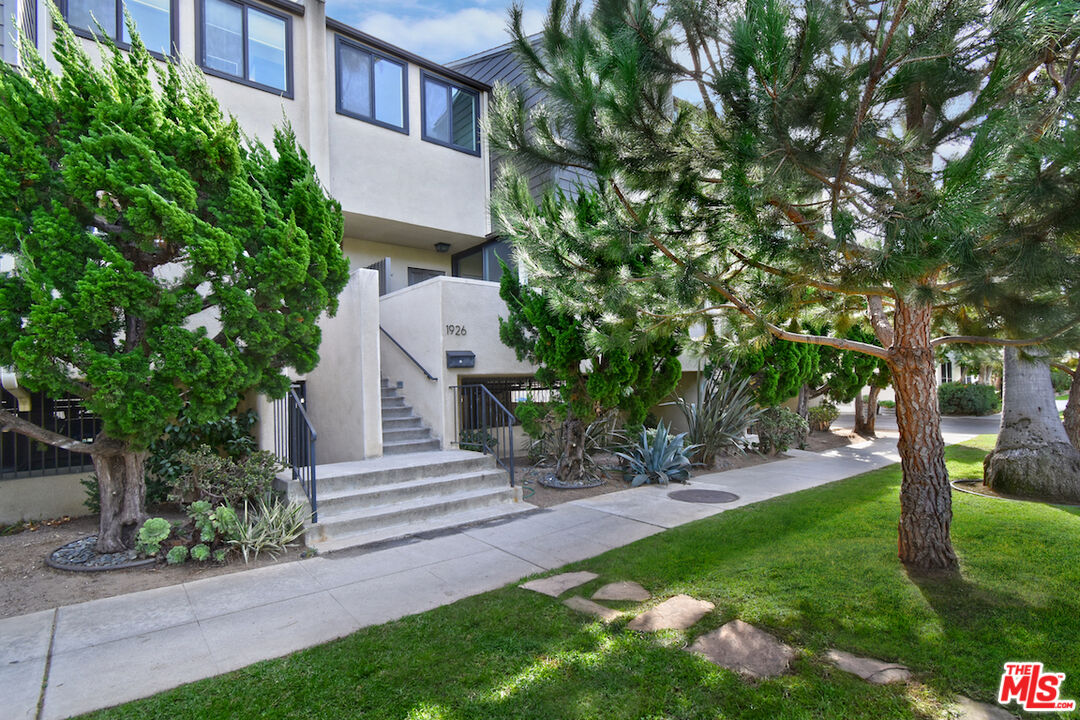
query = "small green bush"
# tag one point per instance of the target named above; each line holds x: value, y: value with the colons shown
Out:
x: 1062, y: 381
x: 200, y: 552
x: 780, y: 428
x: 822, y: 416
x: 221, y: 480
x: 177, y: 555
x: 956, y: 398
x: 891, y: 404
x: 152, y: 533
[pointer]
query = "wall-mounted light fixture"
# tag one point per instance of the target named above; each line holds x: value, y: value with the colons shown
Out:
x: 442, y: 247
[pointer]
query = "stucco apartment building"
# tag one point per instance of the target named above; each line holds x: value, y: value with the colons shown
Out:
x: 396, y: 139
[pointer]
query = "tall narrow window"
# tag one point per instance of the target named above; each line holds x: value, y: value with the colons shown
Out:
x: 153, y: 21
x: 371, y: 86
x: 451, y: 115
x: 246, y: 43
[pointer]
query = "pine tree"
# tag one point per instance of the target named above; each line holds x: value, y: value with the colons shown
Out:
x: 160, y: 263
x: 630, y: 378
x: 830, y: 150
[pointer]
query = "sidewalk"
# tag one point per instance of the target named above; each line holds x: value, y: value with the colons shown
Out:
x: 105, y: 652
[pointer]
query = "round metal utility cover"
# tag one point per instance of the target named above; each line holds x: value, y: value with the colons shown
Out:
x: 703, y: 496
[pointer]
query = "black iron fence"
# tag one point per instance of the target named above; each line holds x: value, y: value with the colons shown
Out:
x: 21, y: 456
x: 294, y: 444
x: 484, y: 424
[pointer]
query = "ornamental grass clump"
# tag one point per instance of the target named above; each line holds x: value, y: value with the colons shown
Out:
x: 717, y: 423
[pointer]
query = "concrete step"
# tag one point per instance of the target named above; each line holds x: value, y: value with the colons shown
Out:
x: 446, y: 522
x: 410, y: 446
x: 392, y: 435
x: 368, y: 525
x: 393, y: 402
x: 388, y: 392
x: 334, y: 504
x: 393, y: 413
x: 399, y: 468
x: 401, y: 423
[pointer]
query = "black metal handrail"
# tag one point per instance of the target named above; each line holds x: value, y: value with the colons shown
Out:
x: 484, y: 424
x: 294, y: 444
x: 407, y: 354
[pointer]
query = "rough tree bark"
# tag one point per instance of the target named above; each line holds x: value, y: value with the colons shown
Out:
x: 1072, y: 410
x: 121, y: 478
x: 925, y: 494
x: 1033, y: 456
x: 570, y: 469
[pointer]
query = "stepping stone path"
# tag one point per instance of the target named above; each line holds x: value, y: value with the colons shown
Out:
x: 622, y: 591
x: 590, y: 608
x: 678, y: 613
x: 556, y: 585
x: 745, y: 649
x: 971, y: 710
x: 872, y: 671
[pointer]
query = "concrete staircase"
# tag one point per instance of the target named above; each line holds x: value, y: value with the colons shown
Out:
x: 403, y: 432
x: 368, y: 501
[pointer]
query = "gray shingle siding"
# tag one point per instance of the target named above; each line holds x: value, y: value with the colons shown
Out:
x: 3, y: 32
x: 502, y: 66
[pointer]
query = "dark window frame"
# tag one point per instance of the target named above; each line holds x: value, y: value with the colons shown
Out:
x: 245, y: 5
x: 174, y: 29
x: 425, y: 76
x: 340, y: 40
x: 455, y: 259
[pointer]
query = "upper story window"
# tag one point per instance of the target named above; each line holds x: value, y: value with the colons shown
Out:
x: 248, y: 43
x: 372, y: 86
x: 154, y: 21
x: 451, y: 114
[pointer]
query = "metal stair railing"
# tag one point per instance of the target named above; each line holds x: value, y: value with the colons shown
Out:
x: 294, y: 444
x: 484, y: 424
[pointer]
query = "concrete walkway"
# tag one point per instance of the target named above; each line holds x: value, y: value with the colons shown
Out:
x: 78, y: 658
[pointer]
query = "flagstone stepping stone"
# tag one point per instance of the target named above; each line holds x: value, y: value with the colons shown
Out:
x: 971, y: 710
x: 872, y: 671
x: 590, y: 608
x: 556, y: 585
x: 625, y: 590
x: 745, y: 649
x: 678, y: 613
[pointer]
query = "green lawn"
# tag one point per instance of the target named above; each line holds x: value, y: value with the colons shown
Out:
x: 817, y: 568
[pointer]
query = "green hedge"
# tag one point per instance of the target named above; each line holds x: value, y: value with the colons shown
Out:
x: 967, y: 399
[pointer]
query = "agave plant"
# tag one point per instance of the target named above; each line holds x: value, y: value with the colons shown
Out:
x: 659, y: 457
x: 717, y: 422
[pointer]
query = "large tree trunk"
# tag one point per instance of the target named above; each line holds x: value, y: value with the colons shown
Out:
x: 1072, y: 411
x: 925, y: 494
x: 802, y: 405
x: 122, y: 489
x: 570, y: 469
x: 866, y: 413
x: 1032, y: 457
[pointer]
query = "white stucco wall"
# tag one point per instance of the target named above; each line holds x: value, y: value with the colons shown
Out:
x: 362, y: 253
x: 373, y: 171
x: 382, y: 173
x: 42, y: 498
x: 418, y: 316
x: 343, y: 392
